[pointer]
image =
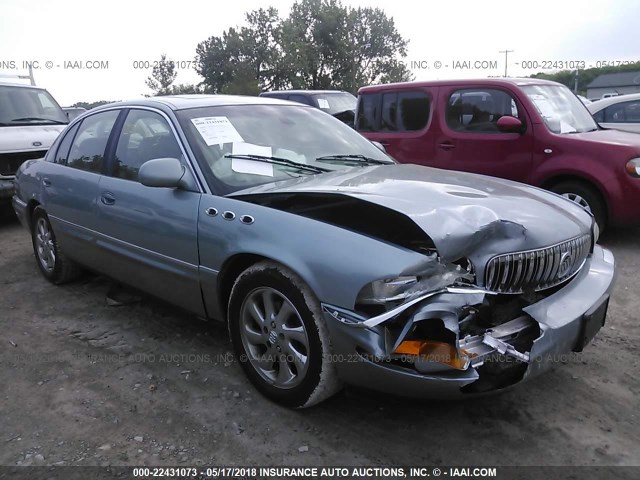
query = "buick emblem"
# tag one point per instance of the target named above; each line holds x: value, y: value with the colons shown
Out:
x: 566, y: 260
x: 273, y: 336
x: 36, y: 144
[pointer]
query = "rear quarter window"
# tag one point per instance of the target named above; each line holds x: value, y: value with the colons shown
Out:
x: 394, y: 112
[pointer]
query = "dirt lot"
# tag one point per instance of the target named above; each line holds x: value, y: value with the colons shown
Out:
x: 84, y: 383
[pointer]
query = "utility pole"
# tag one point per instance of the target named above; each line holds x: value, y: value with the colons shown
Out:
x: 575, y: 85
x: 506, y: 59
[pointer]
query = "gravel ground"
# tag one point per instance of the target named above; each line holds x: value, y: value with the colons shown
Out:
x: 85, y: 383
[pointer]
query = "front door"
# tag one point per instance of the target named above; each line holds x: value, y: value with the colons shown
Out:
x: 469, y: 140
x: 149, y: 233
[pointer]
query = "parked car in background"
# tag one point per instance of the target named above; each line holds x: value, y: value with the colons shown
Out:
x: 73, y: 112
x: 609, y: 95
x: 621, y: 112
x: 528, y: 130
x: 30, y: 121
x: 267, y: 214
x: 341, y: 105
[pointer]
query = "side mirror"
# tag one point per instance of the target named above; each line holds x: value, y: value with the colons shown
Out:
x: 162, y: 172
x: 509, y: 124
x: 379, y: 145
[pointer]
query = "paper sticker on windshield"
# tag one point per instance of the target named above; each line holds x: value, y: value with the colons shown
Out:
x: 566, y: 128
x: 323, y: 103
x: 253, y: 167
x: 216, y: 130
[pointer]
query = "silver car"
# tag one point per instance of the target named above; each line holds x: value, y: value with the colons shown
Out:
x: 329, y: 262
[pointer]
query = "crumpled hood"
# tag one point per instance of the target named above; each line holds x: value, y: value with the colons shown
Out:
x: 22, y: 138
x: 462, y: 212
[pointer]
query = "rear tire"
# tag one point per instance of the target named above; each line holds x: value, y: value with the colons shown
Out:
x: 280, y: 337
x: 585, y: 196
x: 53, y: 263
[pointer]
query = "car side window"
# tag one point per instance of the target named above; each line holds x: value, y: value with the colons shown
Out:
x: 62, y: 154
x: 478, y: 110
x: 145, y: 135
x: 614, y: 113
x: 413, y: 111
x: 367, y: 113
x: 87, y: 149
x: 404, y: 111
x: 625, y: 112
x: 389, y: 113
x: 599, y: 116
x: 632, y: 112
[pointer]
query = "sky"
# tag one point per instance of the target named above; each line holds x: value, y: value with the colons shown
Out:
x: 448, y: 39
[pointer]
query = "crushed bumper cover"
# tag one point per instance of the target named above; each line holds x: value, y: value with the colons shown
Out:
x: 566, y: 321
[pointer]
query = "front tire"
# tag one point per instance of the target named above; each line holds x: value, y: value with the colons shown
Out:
x: 53, y: 263
x: 280, y: 337
x: 584, y: 196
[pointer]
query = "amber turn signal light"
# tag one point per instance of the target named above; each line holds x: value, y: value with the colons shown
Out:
x: 431, y: 351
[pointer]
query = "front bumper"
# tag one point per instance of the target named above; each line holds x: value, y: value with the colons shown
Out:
x: 359, y: 352
x: 6, y: 188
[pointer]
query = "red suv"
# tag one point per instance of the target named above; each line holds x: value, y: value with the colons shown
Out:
x: 528, y: 130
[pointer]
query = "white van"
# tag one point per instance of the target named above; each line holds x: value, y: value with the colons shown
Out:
x: 30, y: 121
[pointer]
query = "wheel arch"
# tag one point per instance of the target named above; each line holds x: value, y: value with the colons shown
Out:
x: 550, y: 182
x: 231, y: 270
x: 31, y: 206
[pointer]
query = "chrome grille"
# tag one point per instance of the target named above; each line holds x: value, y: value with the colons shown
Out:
x: 536, y: 269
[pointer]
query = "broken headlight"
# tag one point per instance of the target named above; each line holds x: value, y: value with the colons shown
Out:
x: 387, y: 290
x: 402, y: 288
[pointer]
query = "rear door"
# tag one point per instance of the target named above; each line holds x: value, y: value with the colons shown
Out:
x: 149, y: 234
x: 401, y: 121
x: 469, y: 140
x: 70, y: 185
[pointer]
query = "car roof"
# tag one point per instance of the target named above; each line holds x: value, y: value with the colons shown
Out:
x: 20, y: 85
x: 605, y: 102
x: 183, y: 102
x: 302, y: 92
x: 461, y: 83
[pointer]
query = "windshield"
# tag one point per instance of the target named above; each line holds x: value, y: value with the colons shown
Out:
x: 29, y: 106
x: 333, y: 103
x: 560, y: 109
x: 224, y: 138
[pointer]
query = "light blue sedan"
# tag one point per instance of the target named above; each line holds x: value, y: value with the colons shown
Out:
x: 329, y: 262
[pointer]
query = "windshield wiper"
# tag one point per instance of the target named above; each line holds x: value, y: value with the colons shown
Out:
x: 353, y: 159
x: 30, y: 119
x: 278, y: 161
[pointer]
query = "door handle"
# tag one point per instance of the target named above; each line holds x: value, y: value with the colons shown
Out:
x: 446, y: 145
x: 107, y: 198
x: 46, y: 182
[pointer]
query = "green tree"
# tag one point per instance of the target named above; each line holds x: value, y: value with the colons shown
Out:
x: 185, y: 89
x: 90, y: 105
x: 162, y: 76
x: 320, y: 45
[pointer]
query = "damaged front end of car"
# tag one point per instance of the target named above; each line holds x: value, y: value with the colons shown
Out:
x: 507, y: 277
x: 442, y: 332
